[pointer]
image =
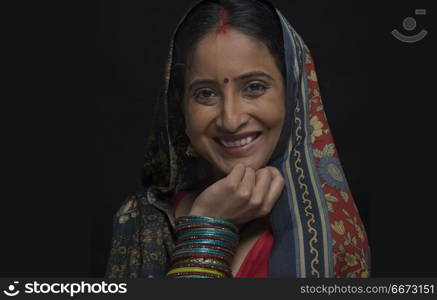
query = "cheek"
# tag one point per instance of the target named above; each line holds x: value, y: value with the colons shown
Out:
x: 274, y: 114
x: 196, y: 121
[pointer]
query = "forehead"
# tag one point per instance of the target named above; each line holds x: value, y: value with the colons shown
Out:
x: 230, y: 53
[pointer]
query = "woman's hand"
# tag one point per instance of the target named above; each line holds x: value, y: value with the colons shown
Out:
x: 241, y: 196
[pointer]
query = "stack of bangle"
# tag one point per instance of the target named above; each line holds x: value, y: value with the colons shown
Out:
x: 204, y: 248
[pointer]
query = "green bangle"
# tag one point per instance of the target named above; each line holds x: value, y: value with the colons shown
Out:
x: 202, y: 250
x: 213, y: 232
x: 211, y: 242
x: 210, y: 220
x: 198, y: 262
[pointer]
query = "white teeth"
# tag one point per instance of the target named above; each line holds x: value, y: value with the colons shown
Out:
x: 238, y: 143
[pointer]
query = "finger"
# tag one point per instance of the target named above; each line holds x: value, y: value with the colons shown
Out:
x: 237, y: 173
x: 248, y: 182
x: 262, y: 184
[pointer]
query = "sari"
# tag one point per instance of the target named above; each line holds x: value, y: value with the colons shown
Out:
x: 315, y: 223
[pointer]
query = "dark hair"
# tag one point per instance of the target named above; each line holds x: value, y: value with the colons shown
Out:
x: 255, y: 18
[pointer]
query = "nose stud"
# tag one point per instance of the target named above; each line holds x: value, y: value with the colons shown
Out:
x: 226, y: 80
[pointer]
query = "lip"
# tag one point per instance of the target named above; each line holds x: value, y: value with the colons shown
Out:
x: 243, y: 149
x: 234, y: 137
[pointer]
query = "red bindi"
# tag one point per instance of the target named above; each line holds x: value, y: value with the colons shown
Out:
x: 226, y: 80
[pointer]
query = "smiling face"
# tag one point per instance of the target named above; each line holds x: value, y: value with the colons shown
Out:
x: 234, y: 101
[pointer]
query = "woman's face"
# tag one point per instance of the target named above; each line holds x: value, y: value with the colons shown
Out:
x: 234, y: 101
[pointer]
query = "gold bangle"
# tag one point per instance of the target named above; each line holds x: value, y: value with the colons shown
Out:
x: 196, y: 269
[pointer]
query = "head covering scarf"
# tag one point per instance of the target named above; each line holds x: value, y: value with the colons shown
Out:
x: 316, y: 226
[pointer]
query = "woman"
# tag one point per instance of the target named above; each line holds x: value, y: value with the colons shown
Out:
x: 242, y: 178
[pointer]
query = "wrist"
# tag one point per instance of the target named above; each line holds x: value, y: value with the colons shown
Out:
x: 205, y: 247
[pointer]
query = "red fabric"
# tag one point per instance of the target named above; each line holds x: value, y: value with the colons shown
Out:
x: 350, y: 245
x: 256, y: 262
x: 179, y: 196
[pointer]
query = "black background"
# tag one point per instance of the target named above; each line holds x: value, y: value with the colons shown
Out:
x: 82, y: 81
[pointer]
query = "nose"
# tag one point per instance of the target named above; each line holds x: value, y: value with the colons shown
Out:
x: 233, y: 114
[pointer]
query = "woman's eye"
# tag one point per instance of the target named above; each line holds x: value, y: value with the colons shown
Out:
x: 256, y: 88
x: 204, y: 94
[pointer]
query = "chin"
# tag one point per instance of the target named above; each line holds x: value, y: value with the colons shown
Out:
x: 226, y: 167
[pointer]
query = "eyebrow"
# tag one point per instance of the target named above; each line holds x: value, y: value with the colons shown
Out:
x: 238, y: 78
x: 253, y: 74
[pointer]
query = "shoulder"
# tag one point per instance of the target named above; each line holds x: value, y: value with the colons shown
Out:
x: 350, y: 244
x: 142, y: 240
x: 128, y: 211
x: 137, y: 206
